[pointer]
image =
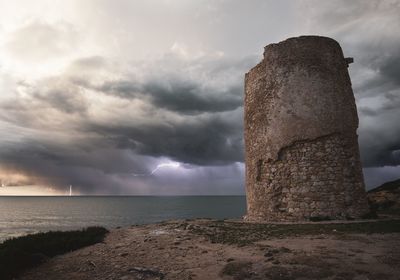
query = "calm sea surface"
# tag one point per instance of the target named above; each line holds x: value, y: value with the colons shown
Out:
x: 23, y: 215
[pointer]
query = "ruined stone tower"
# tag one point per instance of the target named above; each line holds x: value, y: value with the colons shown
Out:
x: 302, y: 155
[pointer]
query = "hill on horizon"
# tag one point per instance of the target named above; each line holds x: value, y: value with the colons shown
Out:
x: 386, y: 197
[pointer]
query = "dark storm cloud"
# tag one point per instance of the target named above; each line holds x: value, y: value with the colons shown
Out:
x: 202, y: 121
x: 186, y: 97
x: 97, y: 168
x: 90, y: 167
x: 211, y: 140
x: 390, y: 69
x: 182, y: 119
x: 377, y: 151
x: 216, y: 84
x: 379, y: 103
x: 193, y: 98
x: 385, y: 68
x: 376, y: 176
x: 105, y: 151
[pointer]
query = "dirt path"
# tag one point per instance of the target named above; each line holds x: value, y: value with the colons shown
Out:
x: 189, y: 250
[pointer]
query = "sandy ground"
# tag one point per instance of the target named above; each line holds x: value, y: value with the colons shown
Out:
x: 184, y: 250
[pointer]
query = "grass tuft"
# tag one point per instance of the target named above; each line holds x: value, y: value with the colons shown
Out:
x: 242, y: 234
x: 21, y: 253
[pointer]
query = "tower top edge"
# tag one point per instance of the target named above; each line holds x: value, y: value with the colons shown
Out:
x: 302, y: 40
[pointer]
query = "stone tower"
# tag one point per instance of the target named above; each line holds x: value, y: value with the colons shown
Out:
x: 302, y: 155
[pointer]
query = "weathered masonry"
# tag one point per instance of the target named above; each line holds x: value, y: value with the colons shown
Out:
x: 302, y: 155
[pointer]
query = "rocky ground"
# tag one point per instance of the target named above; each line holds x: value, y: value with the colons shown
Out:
x: 209, y: 249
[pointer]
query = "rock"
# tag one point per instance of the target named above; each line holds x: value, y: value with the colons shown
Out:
x: 268, y: 254
x: 147, y: 272
x: 285, y: 250
x: 91, y: 263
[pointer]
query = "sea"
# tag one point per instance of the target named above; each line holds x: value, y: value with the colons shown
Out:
x: 26, y: 215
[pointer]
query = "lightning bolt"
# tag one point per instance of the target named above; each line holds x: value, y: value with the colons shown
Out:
x: 158, y: 167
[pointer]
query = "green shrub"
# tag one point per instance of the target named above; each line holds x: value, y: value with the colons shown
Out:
x: 21, y: 253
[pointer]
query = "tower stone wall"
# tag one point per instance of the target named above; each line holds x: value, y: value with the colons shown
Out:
x: 302, y: 154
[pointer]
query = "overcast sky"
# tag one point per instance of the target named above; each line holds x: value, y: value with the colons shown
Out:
x: 97, y: 94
